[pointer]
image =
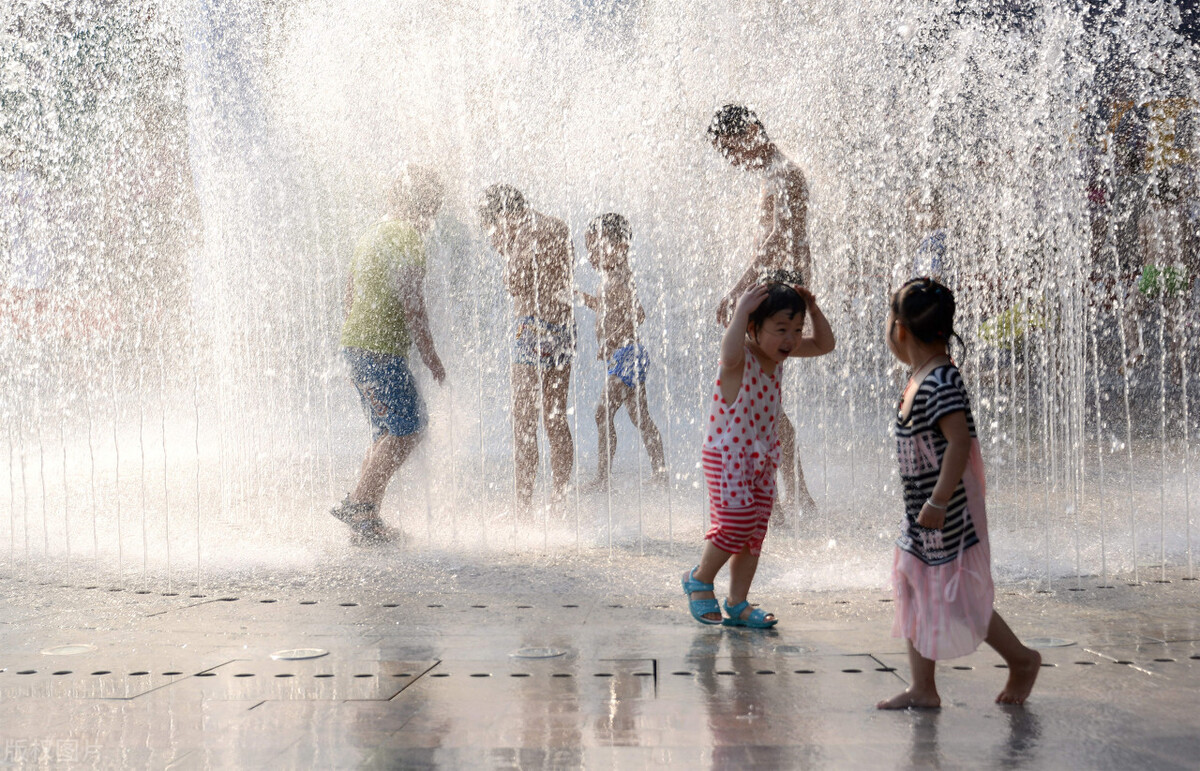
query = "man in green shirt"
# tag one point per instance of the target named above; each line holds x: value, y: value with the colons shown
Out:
x: 385, y: 316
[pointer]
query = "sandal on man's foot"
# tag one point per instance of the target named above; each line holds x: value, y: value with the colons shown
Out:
x: 756, y: 620
x: 699, y: 608
x: 372, y: 532
x: 352, y: 513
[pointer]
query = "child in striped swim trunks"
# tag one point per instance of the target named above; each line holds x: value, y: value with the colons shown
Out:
x: 941, y: 573
x: 741, y: 446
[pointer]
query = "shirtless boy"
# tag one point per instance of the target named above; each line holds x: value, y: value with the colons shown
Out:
x: 781, y: 242
x: 618, y: 315
x: 537, y: 272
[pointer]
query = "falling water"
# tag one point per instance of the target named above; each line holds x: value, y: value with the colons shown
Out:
x: 1102, y: 527
x: 12, y: 496
x: 203, y: 169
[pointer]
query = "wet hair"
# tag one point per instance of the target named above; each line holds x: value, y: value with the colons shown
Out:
x: 611, y: 226
x: 733, y: 120
x: 781, y: 296
x: 499, y: 201
x: 926, y: 308
x: 417, y: 191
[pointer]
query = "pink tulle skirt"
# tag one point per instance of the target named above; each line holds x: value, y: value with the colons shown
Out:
x: 944, y: 610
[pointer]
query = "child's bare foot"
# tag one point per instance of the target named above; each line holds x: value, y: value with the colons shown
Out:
x: 595, y: 485
x: 808, y: 506
x: 911, y: 699
x: 561, y: 494
x: 1020, y: 679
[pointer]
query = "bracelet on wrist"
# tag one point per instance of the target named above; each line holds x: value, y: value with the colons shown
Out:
x: 938, y: 506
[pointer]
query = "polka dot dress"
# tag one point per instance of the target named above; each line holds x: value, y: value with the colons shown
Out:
x: 741, y: 443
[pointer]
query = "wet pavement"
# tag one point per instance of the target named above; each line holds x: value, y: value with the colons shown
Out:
x: 467, y: 678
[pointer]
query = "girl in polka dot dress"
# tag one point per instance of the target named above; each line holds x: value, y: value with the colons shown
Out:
x: 741, y: 444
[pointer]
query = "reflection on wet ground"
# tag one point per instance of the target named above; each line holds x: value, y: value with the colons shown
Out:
x: 431, y: 680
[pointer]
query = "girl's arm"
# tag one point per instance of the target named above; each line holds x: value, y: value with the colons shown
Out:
x: 821, y: 341
x: 954, y: 463
x: 733, y: 344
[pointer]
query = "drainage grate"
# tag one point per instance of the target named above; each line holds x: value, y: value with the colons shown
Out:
x: 71, y: 649
x: 1048, y: 642
x: 536, y: 652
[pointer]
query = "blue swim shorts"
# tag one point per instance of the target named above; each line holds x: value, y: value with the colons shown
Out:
x: 388, y: 392
x: 543, y: 344
x: 629, y: 363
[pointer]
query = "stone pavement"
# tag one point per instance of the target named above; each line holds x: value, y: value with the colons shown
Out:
x: 470, y: 677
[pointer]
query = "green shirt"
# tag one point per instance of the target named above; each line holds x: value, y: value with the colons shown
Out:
x: 376, y: 321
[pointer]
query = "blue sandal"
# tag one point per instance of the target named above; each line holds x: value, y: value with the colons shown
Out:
x: 700, y: 607
x: 756, y: 620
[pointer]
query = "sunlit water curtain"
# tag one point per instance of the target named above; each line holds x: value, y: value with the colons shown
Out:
x: 183, y: 183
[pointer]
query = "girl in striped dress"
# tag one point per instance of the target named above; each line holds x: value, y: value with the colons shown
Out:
x: 941, y: 574
x: 741, y: 446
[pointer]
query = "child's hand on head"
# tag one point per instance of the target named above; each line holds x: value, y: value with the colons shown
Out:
x: 752, y: 298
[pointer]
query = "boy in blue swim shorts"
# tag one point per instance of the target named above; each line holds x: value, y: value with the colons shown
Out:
x: 618, y: 314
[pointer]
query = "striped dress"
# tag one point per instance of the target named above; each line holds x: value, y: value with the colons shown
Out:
x: 739, y: 458
x: 941, y: 578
